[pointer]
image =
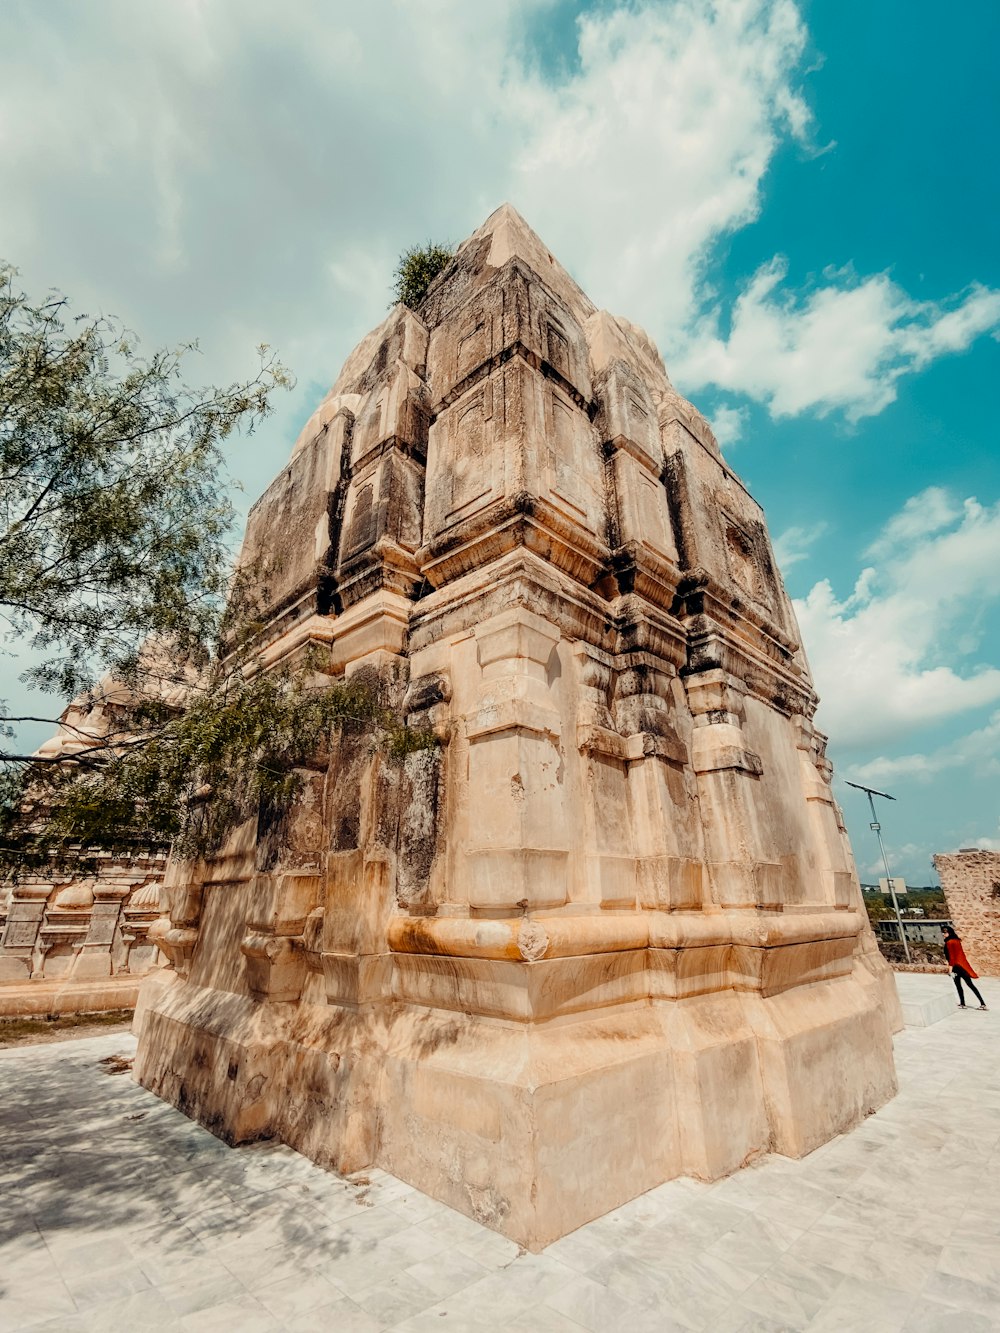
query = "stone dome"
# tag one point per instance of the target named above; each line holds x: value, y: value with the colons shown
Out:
x: 75, y: 897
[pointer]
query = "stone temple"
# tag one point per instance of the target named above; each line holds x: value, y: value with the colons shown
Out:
x: 609, y: 930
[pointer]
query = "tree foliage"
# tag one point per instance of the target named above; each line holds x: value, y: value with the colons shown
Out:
x: 114, y: 519
x: 417, y: 269
x: 187, y: 776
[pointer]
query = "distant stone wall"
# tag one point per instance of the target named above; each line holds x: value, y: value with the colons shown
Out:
x: 971, y: 883
x: 78, y: 928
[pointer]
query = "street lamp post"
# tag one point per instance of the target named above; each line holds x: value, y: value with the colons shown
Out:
x: 876, y: 828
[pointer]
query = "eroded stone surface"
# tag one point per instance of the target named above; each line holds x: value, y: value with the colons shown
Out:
x: 608, y: 931
x: 971, y: 883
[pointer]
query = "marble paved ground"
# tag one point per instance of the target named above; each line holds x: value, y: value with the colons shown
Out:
x: 117, y: 1213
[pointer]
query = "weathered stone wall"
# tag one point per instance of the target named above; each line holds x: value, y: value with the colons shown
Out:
x: 609, y: 930
x: 971, y: 883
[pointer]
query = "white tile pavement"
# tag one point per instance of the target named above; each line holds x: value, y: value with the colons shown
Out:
x: 117, y: 1213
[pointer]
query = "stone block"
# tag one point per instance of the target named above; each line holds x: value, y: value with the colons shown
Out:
x: 925, y: 999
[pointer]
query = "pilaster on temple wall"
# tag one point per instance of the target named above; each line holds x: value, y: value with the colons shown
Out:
x: 971, y: 883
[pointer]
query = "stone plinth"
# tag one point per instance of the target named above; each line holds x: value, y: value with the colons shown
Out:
x: 925, y: 998
x: 971, y: 883
x: 608, y: 931
x: 41, y: 998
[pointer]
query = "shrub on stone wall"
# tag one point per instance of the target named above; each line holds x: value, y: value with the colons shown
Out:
x: 417, y: 269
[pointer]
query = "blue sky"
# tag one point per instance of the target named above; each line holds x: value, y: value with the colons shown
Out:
x: 798, y: 202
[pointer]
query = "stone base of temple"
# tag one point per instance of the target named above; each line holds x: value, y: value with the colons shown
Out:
x: 531, y: 1128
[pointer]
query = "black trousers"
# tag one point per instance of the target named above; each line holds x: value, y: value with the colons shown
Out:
x: 959, y: 975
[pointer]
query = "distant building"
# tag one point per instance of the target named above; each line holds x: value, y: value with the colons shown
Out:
x: 917, y: 932
x: 89, y: 925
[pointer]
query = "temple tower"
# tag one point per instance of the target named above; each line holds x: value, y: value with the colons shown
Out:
x: 609, y: 931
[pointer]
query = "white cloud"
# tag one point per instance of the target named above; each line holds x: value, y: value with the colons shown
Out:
x: 242, y: 175
x: 659, y: 144
x: 794, y: 544
x: 977, y: 754
x: 910, y: 858
x: 728, y: 424
x: 985, y: 844
x: 923, y: 514
x: 228, y: 172
x: 887, y: 658
x: 841, y: 347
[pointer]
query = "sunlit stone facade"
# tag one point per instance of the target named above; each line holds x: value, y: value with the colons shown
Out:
x: 609, y: 930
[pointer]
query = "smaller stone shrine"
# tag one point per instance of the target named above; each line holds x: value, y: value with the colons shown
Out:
x: 971, y: 882
x: 82, y: 928
x: 85, y: 927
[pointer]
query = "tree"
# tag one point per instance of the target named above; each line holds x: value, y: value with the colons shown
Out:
x: 116, y: 570
x: 114, y: 534
x: 417, y: 269
x: 878, y: 908
x: 114, y: 519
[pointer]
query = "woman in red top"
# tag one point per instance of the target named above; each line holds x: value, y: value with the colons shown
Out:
x: 961, y: 968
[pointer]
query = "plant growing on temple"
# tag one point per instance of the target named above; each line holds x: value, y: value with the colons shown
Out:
x: 187, y: 776
x: 417, y: 269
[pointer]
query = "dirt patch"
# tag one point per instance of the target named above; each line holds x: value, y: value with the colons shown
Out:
x: 116, y: 1064
x: 62, y: 1027
x: 362, y: 1186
